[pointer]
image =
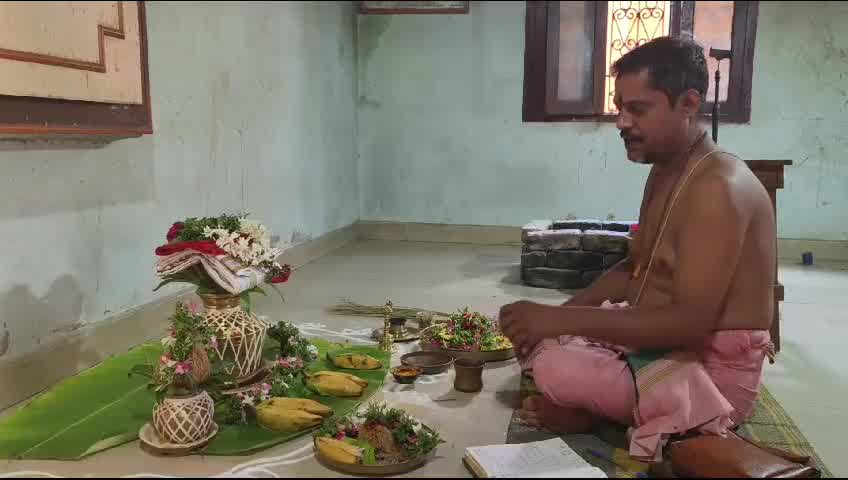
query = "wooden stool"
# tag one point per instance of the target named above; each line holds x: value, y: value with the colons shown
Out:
x: 770, y: 173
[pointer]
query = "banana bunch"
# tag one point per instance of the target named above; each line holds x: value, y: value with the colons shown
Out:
x: 291, y: 414
x: 338, y: 450
x: 356, y: 361
x: 337, y: 384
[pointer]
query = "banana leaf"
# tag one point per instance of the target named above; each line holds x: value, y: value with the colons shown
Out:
x: 247, y: 440
x: 104, y: 407
x: 97, y: 409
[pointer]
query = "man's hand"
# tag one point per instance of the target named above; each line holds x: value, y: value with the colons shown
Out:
x: 526, y: 324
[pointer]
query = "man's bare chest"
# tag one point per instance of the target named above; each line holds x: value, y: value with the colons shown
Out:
x: 654, y: 246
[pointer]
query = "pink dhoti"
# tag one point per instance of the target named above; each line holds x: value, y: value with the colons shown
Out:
x: 709, y: 391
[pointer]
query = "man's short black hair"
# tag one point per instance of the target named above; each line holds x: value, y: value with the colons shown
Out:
x: 674, y: 66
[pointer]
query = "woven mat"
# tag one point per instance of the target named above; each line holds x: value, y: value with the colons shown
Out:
x: 769, y: 424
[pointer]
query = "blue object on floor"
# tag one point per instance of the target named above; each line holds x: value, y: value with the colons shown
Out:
x: 807, y: 258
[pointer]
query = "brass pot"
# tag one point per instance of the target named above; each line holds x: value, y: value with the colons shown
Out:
x: 397, y: 327
x: 469, y: 375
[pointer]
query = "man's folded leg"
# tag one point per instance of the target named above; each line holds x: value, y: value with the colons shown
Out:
x: 581, y: 382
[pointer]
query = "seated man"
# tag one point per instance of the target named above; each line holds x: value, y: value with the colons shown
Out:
x: 673, y: 338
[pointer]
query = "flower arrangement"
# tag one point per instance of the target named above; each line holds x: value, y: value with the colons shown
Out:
x: 185, y: 365
x: 384, y: 435
x: 292, y: 343
x: 237, y: 252
x: 468, y: 331
x: 240, y: 408
x: 287, y: 377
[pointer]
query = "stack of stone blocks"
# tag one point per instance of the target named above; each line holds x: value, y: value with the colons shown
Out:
x: 571, y: 254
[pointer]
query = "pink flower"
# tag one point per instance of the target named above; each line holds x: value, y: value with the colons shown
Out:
x: 192, y: 307
x: 341, y: 436
x: 213, y: 342
x: 413, y: 439
x: 183, y: 368
x: 266, y: 387
x: 283, y: 363
x: 164, y: 359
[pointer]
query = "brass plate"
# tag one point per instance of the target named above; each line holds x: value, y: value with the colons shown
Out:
x: 412, y: 334
x: 372, y: 470
x: 431, y: 362
x: 489, y: 356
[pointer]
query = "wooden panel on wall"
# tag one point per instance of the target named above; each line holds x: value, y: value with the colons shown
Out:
x: 74, y: 69
x: 413, y: 7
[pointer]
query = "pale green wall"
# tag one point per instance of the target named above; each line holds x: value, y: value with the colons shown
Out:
x: 441, y: 138
x: 254, y: 108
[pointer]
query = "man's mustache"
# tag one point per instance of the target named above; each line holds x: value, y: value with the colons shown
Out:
x: 628, y: 137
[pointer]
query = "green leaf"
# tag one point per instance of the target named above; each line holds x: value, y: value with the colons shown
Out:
x: 174, y: 279
x: 104, y: 407
x: 83, y: 414
x: 247, y: 301
x: 144, y: 370
x: 369, y: 453
x: 279, y: 292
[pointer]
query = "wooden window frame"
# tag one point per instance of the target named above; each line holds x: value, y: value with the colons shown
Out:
x: 541, y: 63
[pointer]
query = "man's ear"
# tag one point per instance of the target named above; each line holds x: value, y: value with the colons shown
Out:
x: 690, y: 102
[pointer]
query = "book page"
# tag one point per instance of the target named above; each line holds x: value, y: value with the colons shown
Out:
x: 551, y: 458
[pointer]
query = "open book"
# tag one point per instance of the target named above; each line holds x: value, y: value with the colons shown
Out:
x: 550, y: 458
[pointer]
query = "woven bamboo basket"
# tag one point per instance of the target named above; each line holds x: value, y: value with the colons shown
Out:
x: 183, y: 420
x: 241, y: 335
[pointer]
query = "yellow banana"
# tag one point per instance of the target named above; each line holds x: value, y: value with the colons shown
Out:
x: 285, y: 420
x: 356, y: 361
x: 339, y: 451
x: 353, y: 378
x: 302, y: 404
x: 338, y: 384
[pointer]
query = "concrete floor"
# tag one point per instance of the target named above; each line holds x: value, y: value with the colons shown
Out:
x: 807, y: 378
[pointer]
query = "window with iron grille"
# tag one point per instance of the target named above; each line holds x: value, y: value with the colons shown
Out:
x: 570, y: 46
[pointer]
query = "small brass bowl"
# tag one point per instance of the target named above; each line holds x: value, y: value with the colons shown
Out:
x: 431, y: 363
x: 406, y: 375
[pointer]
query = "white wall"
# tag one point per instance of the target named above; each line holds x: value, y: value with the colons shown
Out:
x: 254, y: 109
x: 441, y: 138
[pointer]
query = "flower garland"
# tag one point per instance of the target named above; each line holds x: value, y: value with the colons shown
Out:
x: 246, y: 241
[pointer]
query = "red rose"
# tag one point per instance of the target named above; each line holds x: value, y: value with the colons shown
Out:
x: 282, y: 276
x: 174, y: 231
x: 208, y: 247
